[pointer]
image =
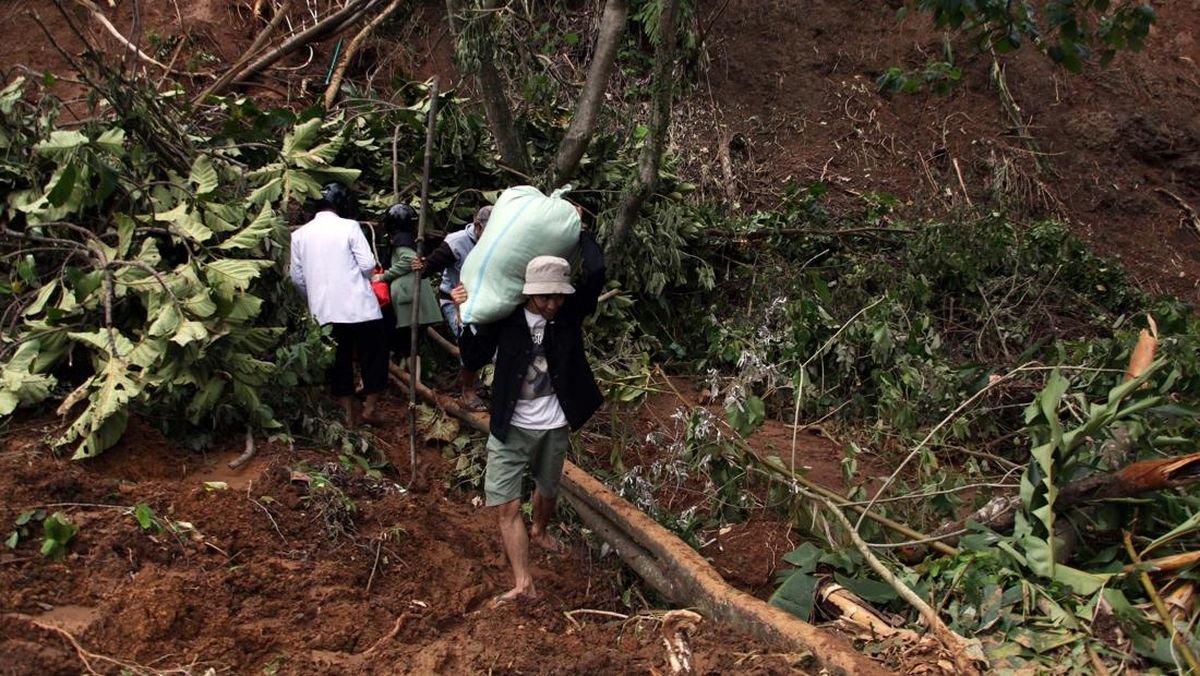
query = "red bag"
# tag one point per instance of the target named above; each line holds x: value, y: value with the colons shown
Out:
x: 383, y: 292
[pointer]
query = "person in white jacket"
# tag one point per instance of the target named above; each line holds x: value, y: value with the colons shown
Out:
x: 331, y: 266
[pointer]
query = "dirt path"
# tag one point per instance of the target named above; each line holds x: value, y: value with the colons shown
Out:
x: 265, y: 575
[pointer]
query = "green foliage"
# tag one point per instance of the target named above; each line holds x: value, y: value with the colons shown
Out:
x: 163, y: 292
x: 22, y: 527
x: 57, y: 533
x: 326, y: 499
x: 145, y: 517
x: 897, y: 328
x: 939, y: 76
x: 1068, y: 31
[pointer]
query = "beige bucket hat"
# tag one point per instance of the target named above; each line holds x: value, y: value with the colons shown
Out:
x: 547, y: 275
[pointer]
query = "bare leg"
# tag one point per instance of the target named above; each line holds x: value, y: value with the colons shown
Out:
x: 368, y: 413
x: 347, y: 404
x: 543, y: 509
x: 516, y: 546
x: 470, y: 397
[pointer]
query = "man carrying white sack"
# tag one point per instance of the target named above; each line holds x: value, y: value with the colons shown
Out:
x: 543, y: 387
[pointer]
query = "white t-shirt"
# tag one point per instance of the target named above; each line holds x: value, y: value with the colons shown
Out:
x: 537, y: 406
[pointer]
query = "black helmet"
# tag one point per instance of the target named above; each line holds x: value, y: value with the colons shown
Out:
x: 400, y: 218
x: 336, y: 197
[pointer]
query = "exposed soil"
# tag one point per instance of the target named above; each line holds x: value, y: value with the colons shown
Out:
x: 261, y: 583
x: 262, y: 580
x: 791, y: 96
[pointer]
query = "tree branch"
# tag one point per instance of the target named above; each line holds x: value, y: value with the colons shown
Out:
x: 583, y: 122
x: 660, y: 118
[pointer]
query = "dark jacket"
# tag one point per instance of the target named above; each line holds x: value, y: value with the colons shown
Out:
x: 509, y: 340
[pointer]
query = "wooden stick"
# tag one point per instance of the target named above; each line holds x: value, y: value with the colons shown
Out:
x: 385, y: 638
x: 1176, y: 637
x: 441, y: 340
x: 336, y: 81
x: 327, y: 26
x: 965, y: 654
x: 1165, y: 564
x: 98, y: 15
x: 247, y: 453
x: 259, y: 41
x: 430, y: 129
x: 1191, y: 212
x: 86, y: 656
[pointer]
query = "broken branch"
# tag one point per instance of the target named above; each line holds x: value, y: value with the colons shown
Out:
x: 335, y: 82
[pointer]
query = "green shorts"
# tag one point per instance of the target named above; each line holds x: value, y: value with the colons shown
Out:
x: 543, y: 451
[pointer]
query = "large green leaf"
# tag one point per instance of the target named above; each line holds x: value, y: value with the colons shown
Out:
x: 302, y: 137
x: 103, y: 422
x: 268, y: 192
x: 188, y: 332
x: 61, y: 142
x: 796, y: 595
x: 186, y: 221
x: 40, y: 300
x: 242, y: 308
x: 112, y: 140
x: 1191, y: 525
x: 105, y: 435
x: 165, y: 322
x: 11, y: 94
x: 229, y: 275
x: 19, y: 385
x: 203, y: 176
x: 253, y: 234
x: 200, y: 305
x: 62, y: 184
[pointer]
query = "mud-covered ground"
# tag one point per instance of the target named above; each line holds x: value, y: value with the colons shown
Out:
x: 261, y: 570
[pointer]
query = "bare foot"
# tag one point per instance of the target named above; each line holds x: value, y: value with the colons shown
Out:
x: 548, y: 542
x: 472, y: 402
x: 372, y: 417
x: 514, y: 596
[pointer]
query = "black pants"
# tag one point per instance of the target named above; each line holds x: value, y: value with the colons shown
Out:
x: 399, y: 337
x: 368, y: 342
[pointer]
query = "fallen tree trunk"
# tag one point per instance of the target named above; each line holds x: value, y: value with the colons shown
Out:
x: 674, y: 569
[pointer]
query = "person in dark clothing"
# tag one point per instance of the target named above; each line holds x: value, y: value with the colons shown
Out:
x: 400, y: 222
x: 447, y: 259
x: 543, y: 387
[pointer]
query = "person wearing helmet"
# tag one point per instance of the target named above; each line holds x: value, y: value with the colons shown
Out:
x: 543, y: 388
x: 331, y: 266
x: 448, y: 260
x: 400, y: 223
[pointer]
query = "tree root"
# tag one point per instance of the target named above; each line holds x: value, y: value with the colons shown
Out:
x: 248, y: 453
x: 88, y: 657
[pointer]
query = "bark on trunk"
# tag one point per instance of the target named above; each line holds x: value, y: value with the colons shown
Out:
x: 676, y: 570
x: 660, y: 119
x: 583, y: 123
x: 509, y: 143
